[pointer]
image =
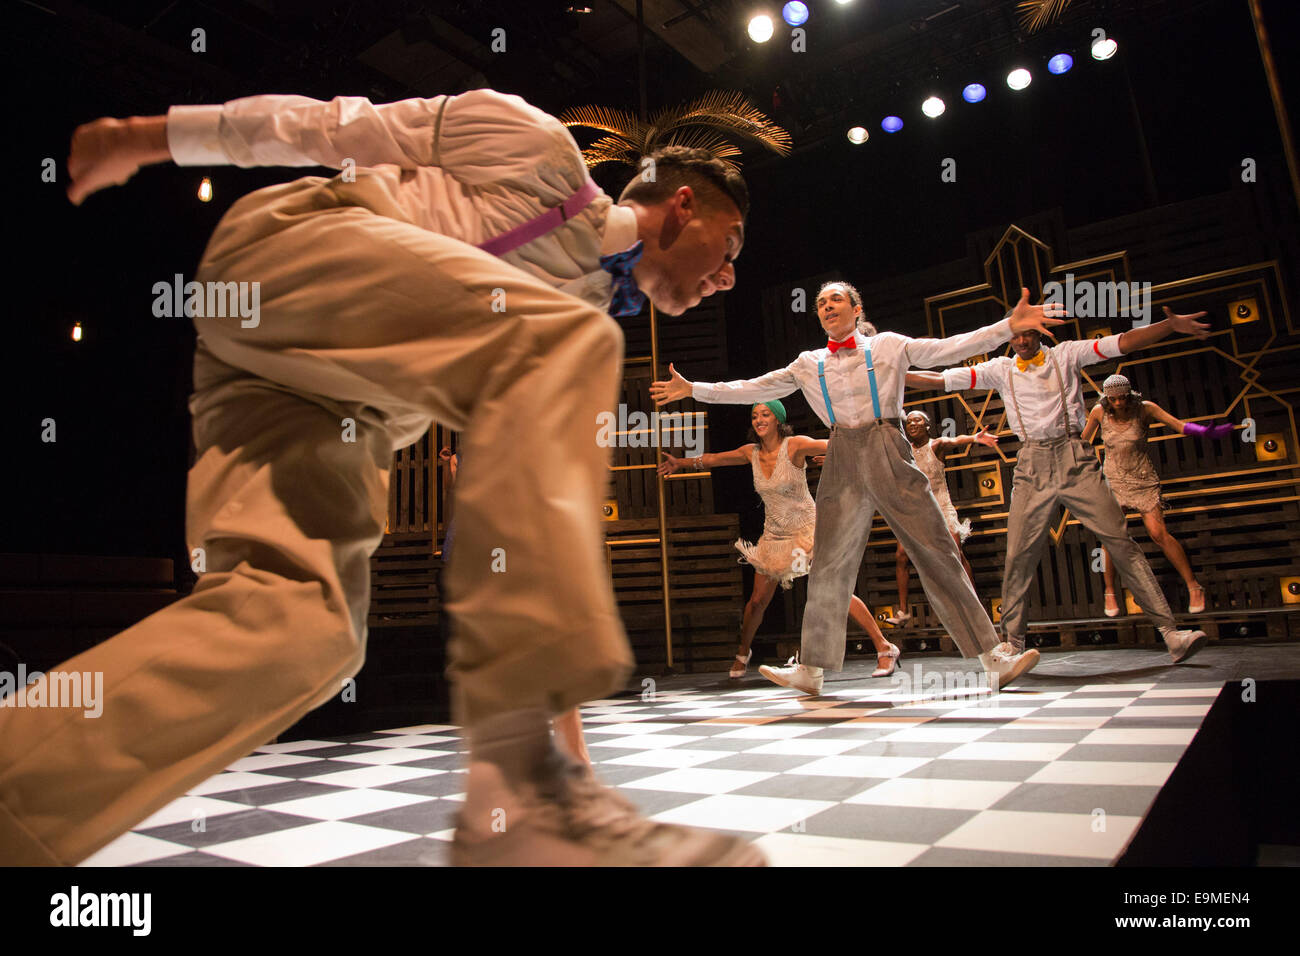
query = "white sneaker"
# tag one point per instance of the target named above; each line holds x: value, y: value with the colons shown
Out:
x: 1004, y: 664
x: 806, y: 679
x: 1183, y: 644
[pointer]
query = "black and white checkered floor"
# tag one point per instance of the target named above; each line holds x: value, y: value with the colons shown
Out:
x: 875, y: 772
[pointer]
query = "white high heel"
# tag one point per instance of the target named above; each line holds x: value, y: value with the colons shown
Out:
x: 893, y: 654
x: 741, y: 664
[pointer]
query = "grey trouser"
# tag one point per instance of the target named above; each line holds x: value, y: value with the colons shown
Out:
x: 868, y: 469
x: 1066, y: 470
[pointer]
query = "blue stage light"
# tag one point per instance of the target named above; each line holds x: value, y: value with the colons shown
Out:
x: 974, y: 93
x: 891, y: 124
x: 1060, y: 63
x: 795, y: 13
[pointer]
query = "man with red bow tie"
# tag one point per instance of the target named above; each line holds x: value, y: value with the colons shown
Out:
x: 855, y: 385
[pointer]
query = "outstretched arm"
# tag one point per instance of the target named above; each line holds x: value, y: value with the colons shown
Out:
x: 926, y: 380
x: 737, y: 456
x: 982, y: 437
x: 478, y: 137
x: 928, y: 353
x: 1136, y: 339
x: 777, y: 384
x: 801, y: 448
x: 1189, y: 429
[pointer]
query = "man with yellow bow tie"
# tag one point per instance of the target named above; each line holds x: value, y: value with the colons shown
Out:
x: 1043, y: 394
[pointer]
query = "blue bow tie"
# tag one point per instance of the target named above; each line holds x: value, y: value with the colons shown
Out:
x: 628, y: 299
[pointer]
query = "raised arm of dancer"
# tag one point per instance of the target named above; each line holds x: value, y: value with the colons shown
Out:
x: 777, y: 384
x: 1189, y: 429
x: 928, y: 353
x: 738, y: 456
x: 1137, y: 339
x: 479, y: 136
x: 801, y: 448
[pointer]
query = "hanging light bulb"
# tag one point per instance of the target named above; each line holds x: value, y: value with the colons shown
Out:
x: 761, y: 28
x: 76, y: 332
x: 205, y: 190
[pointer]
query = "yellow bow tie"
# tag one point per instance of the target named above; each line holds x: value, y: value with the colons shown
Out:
x: 1023, y: 364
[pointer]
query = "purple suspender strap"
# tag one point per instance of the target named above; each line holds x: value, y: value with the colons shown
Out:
x: 541, y: 225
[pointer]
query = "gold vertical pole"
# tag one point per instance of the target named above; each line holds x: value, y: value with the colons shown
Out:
x: 1279, y: 107
x: 659, y: 486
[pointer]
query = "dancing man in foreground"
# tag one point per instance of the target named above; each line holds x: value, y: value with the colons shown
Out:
x: 459, y: 268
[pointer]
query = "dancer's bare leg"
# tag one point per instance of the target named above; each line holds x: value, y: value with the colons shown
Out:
x: 860, y: 613
x: 755, y: 608
x: 956, y: 538
x: 568, y: 731
x: 1155, y: 523
x: 901, y: 568
x: 1108, y: 575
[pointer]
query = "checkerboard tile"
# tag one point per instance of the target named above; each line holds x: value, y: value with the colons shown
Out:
x: 872, y: 774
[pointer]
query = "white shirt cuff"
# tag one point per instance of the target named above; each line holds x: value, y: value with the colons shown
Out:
x: 193, y: 136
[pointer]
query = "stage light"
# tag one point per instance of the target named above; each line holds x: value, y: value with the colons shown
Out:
x: 794, y: 13
x: 974, y: 92
x: 761, y: 28
x: 1104, y: 49
x: 205, y: 190
x: 891, y: 124
x: 76, y: 332
x: 933, y: 107
x: 843, y: 2
x: 858, y: 135
x: 1019, y: 79
x: 1060, y: 63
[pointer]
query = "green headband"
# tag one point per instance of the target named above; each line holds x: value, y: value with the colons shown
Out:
x: 777, y: 409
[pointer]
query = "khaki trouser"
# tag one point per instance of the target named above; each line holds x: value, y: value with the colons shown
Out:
x: 369, y: 328
x: 1065, y: 471
x: 870, y: 469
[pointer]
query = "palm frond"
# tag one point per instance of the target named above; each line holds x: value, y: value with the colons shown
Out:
x: 728, y: 111
x: 604, y: 119
x: 713, y: 142
x: 1036, y: 14
x: 718, y: 115
x: 612, y: 149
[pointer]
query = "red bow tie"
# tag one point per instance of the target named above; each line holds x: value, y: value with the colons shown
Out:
x: 849, y: 343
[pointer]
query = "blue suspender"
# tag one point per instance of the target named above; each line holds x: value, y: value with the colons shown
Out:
x: 871, y: 377
x: 826, y: 396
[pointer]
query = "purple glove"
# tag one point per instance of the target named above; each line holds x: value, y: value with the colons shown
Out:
x: 1208, y: 431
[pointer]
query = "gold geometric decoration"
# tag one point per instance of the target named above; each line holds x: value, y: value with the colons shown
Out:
x: 1270, y: 447
x: 1290, y: 590
x: 1243, y: 311
x: 989, y: 482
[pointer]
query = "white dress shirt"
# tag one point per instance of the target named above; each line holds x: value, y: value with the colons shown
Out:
x: 846, y: 374
x: 471, y: 167
x: 1037, y: 391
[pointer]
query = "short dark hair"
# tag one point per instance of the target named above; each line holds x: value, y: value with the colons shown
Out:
x: 678, y: 166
